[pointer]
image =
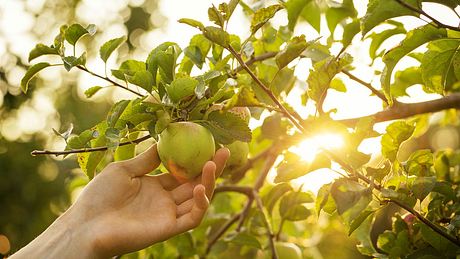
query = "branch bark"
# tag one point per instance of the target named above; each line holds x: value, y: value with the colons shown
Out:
x: 404, y: 110
x: 85, y: 150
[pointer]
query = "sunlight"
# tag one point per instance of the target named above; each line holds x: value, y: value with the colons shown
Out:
x: 308, y: 148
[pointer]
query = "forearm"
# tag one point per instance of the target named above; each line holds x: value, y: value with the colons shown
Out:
x: 65, y: 238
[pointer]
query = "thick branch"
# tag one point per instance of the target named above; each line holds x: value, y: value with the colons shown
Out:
x: 404, y: 110
x: 109, y: 80
x: 85, y: 150
x: 420, y: 11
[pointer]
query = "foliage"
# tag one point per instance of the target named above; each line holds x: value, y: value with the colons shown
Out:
x: 186, y: 84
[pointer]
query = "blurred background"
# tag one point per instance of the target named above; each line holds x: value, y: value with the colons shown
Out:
x: 35, y: 190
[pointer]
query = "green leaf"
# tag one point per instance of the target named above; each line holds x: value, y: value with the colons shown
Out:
x: 197, y: 50
x: 404, y: 79
x: 293, y: 49
x: 142, y: 78
x: 274, y: 195
x: 71, y: 61
x: 181, y: 88
x: 192, y: 22
x: 80, y: 141
x: 422, y: 186
x: 92, y: 91
x: 40, y: 50
x: 215, y: 16
x: 89, y: 161
x: 128, y: 68
x: 115, y: 113
x: 396, y: 133
x: 419, y: 162
x: 245, y: 239
x: 162, y: 61
x: 380, y: 37
x: 107, y: 48
x: 349, y: 32
x: 441, y: 65
x: 307, y: 9
x: 414, y: 39
x: 263, y: 15
x: 440, y: 243
x: 379, y: 11
x: 324, y: 200
x: 336, y: 14
x: 378, y: 173
x: 217, y: 35
x: 31, y: 72
x: 227, y: 127
x: 351, y: 198
x: 320, y: 78
x: 293, y: 167
x: 75, y: 31
x: 291, y: 207
x: 356, y: 223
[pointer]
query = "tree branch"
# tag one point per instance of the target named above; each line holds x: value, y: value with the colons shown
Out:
x: 109, y: 80
x: 221, y: 231
x: 233, y: 188
x: 85, y: 150
x: 404, y: 110
x: 255, y: 59
x: 367, y: 85
x: 270, y: 234
x: 239, y: 173
x: 420, y: 11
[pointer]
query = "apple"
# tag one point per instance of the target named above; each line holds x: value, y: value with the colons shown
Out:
x: 238, y: 156
x: 287, y: 250
x: 184, y: 148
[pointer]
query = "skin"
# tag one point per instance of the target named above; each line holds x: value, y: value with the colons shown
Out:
x: 123, y: 210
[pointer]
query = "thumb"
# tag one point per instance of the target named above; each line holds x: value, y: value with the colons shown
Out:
x: 142, y: 164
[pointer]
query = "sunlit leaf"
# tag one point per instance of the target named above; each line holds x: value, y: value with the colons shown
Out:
x: 31, y: 72
x: 262, y: 16
x: 110, y: 46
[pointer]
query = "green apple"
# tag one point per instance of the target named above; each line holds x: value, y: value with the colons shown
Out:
x: 287, y: 250
x: 238, y: 156
x: 184, y: 148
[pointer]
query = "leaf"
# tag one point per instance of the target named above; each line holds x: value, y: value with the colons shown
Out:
x: 351, y: 198
x: 65, y: 135
x: 215, y: 16
x: 40, y: 50
x: 380, y: 37
x: 441, y: 65
x: 89, y: 161
x: 92, y: 91
x: 227, y: 127
x: 192, y: 22
x: 422, y: 186
x: 142, y: 78
x: 245, y: 239
x: 128, y: 69
x: 162, y: 60
x: 107, y: 48
x: 405, y: 79
x: 197, y: 50
x: 320, y: 78
x: 440, y: 243
x: 336, y: 14
x: 181, y: 88
x: 307, y: 9
x: 75, y: 31
x: 115, y: 113
x: 419, y: 162
x: 217, y: 35
x: 80, y: 141
x: 71, y: 61
x: 275, y: 194
x: 396, y: 133
x: 31, y: 72
x: 356, y: 223
x: 291, y: 207
x: 414, y: 39
x: 349, y: 32
x: 293, y: 49
x: 262, y: 16
x: 293, y: 167
x: 379, y: 11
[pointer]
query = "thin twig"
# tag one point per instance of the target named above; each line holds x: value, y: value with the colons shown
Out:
x: 420, y: 11
x: 85, y: 150
x: 109, y: 80
x: 367, y: 85
x: 270, y: 235
x: 233, y: 188
x: 221, y: 231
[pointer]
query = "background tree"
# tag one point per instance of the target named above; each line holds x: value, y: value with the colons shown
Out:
x: 414, y: 181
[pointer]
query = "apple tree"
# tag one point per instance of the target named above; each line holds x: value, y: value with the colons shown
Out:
x: 219, y: 77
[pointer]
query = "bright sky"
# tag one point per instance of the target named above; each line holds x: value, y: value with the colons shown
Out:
x: 15, y: 22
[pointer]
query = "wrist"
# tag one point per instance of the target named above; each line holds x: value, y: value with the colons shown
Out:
x: 68, y: 237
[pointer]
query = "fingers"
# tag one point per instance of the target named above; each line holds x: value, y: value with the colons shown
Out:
x: 142, y: 164
x: 208, y: 178
x: 182, y: 192
x: 220, y: 158
x: 193, y: 218
x: 184, y: 207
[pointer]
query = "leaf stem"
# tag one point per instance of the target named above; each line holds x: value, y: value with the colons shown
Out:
x: 367, y: 85
x: 109, y: 80
x: 85, y: 150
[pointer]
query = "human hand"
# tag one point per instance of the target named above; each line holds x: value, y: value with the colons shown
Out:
x: 123, y: 210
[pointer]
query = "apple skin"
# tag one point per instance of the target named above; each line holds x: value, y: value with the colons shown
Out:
x: 238, y: 156
x: 184, y: 148
x: 287, y: 250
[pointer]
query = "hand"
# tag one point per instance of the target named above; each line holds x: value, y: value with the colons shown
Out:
x: 123, y: 210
